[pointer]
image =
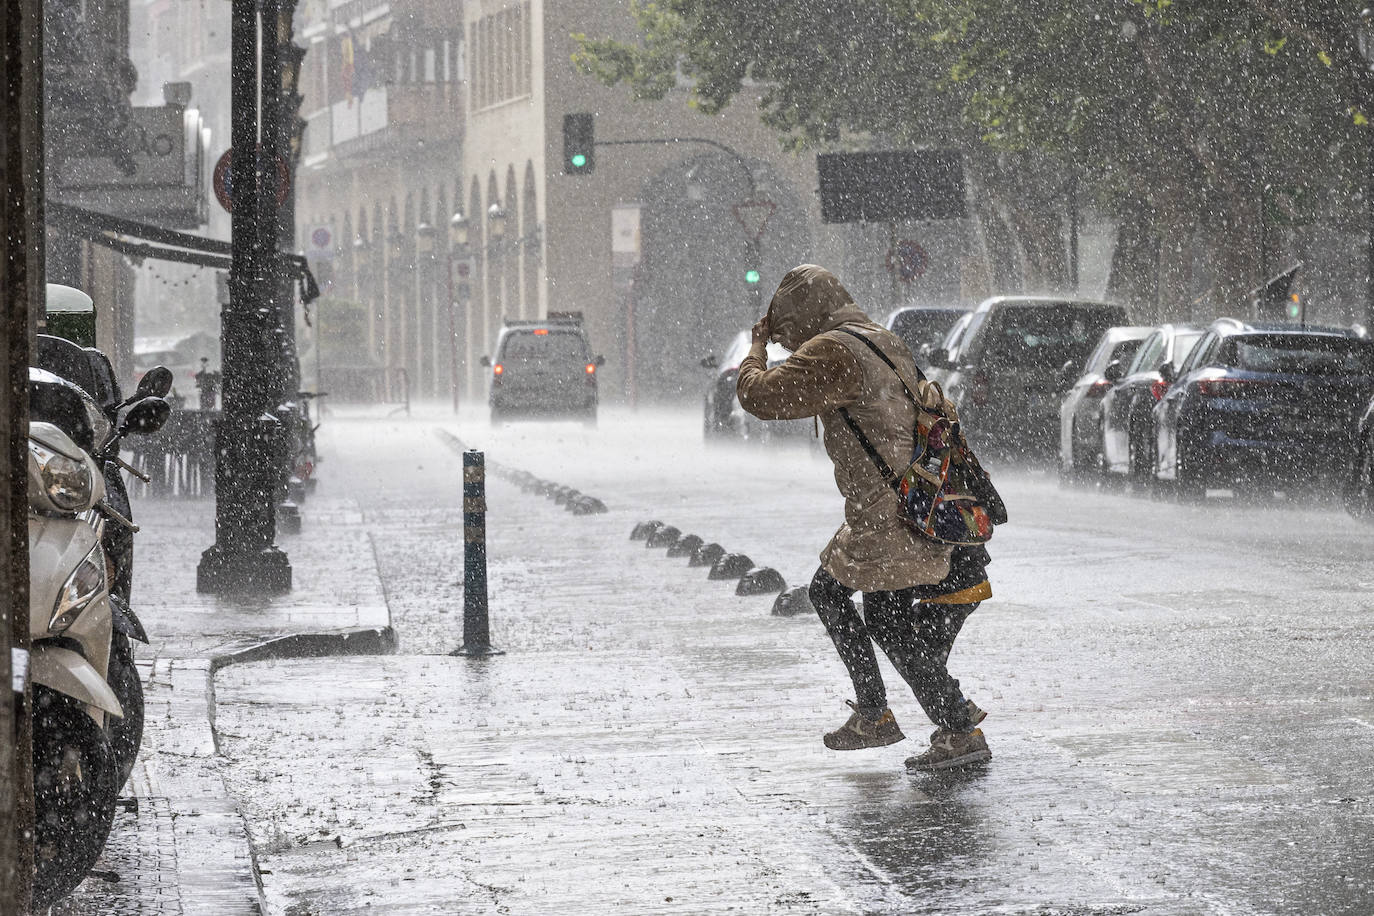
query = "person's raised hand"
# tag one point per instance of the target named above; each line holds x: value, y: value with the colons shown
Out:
x: 761, y: 330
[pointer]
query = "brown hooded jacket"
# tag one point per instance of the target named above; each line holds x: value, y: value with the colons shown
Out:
x: 828, y: 369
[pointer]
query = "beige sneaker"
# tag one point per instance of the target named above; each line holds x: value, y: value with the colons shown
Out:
x: 861, y: 732
x: 949, y: 749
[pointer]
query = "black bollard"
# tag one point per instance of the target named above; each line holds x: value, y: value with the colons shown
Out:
x: 476, y: 634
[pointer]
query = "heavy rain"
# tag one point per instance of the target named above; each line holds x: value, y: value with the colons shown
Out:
x: 691, y: 456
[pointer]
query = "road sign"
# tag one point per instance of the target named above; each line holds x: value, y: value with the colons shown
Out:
x: 908, y: 260
x: 321, y: 242
x: 889, y: 186
x: 224, y: 182
x: 753, y: 216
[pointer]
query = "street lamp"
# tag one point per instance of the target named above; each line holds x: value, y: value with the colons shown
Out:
x: 395, y: 305
x: 424, y: 267
x: 460, y: 260
x: 496, y: 233
x: 496, y: 223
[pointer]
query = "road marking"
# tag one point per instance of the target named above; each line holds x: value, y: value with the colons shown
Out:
x: 1359, y: 721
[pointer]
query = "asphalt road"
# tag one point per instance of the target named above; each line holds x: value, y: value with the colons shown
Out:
x: 1181, y: 703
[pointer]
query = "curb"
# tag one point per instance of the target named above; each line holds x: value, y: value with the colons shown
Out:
x: 362, y: 641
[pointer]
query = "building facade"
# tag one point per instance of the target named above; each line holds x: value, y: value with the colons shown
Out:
x: 424, y: 114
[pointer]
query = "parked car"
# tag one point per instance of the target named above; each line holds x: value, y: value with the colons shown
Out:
x: 722, y: 415
x: 947, y: 353
x: 1263, y: 407
x: 922, y: 328
x: 544, y: 368
x: 1007, y: 377
x: 1080, y: 413
x: 1359, y: 487
x: 1128, y: 420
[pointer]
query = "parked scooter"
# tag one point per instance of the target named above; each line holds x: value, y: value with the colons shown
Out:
x: 89, y: 370
x: 77, y: 773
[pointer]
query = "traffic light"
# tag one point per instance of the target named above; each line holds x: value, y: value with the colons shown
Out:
x: 1294, y: 307
x: 751, y: 276
x: 579, y: 144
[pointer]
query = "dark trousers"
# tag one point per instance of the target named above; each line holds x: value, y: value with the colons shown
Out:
x: 915, y: 637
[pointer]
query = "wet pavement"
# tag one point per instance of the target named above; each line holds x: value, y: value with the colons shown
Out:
x: 179, y: 843
x: 1181, y: 703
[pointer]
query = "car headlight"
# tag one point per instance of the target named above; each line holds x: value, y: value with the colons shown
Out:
x: 82, y: 586
x: 66, y: 481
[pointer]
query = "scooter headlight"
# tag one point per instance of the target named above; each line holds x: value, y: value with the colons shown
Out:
x: 82, y: 586
x: 66, y: 481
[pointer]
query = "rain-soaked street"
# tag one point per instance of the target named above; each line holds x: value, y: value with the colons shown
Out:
x: 1181, y: 707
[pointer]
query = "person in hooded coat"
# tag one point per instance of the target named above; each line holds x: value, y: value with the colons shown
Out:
x: 916, y: 593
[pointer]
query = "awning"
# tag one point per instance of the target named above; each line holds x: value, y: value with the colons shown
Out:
x: 141, y: 240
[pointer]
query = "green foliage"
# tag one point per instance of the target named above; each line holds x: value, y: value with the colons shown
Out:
x: 1179, y: 109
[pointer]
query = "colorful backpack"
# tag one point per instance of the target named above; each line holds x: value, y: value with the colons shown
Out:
x: 945, y: 494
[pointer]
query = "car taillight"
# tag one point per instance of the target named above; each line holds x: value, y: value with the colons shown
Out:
x: 1228, y: 387
x: 979, y: 389
x: 1098, y: 388
x: 1157, y: 388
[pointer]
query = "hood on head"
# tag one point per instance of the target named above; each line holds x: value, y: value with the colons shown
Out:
x: 809, y: 300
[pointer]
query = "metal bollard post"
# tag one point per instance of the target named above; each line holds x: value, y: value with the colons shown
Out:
x: 476, y: 635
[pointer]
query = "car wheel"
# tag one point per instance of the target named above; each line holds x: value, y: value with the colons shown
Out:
x: 1359, y: 493
x: 1140, y: 457
x: 1187, y: 486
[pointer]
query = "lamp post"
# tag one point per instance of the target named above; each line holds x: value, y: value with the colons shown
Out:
x: 393, y: 327
x: 362, y: 286
x: 248, y: 442
x: 424, y: 308
x: 496, y: 244
x: 459, y: 291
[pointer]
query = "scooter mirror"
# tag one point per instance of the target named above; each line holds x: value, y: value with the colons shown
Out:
x: 144, y: 416
x: 156, y: 382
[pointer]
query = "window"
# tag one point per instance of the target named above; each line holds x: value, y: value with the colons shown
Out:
x: 1298, y: 354
x: 1183, y: 345
x: 1146, y: 359
x: 500, y: 47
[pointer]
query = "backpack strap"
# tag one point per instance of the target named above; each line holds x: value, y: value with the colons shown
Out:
x: 888, y: 476
x: 958, y: 435
x: 883, y: 468
x: 921, y: 376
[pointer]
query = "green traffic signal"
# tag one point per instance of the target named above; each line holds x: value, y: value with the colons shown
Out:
x: 751, y: 276
x: 579, y: 143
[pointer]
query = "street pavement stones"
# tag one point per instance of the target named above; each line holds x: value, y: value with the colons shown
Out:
x: 179, y: 843
x: 649, y: 743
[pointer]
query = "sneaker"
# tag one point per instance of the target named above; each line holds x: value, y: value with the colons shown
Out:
x: 975, y: 717
x: 861, y: 732
x: 949, y: 749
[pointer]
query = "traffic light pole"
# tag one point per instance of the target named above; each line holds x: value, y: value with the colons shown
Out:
x: 248, y: 443
x: 751, y: 244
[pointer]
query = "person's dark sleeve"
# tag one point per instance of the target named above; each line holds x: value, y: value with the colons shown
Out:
x: 820, y: 377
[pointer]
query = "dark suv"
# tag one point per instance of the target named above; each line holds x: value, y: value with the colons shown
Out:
x: 1010, y: 373
x: 1264, y: 406
x: 544, y: 368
